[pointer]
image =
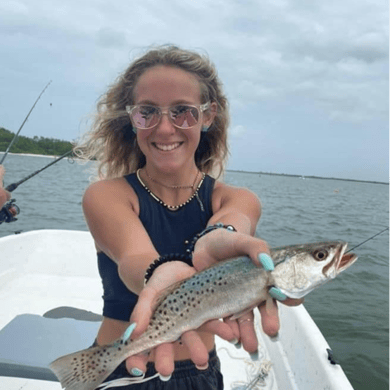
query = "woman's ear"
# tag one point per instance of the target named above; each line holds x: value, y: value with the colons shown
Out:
x: 209, y: 115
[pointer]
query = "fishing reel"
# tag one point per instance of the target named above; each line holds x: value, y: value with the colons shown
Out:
x: 8, y: 212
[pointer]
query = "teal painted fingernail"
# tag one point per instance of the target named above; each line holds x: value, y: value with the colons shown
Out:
x: 254, y: 356
x: 136, y: 372
x: 238, y: 345
x: 128, y: 332
x: 277, y: 294
x: 266, y: 262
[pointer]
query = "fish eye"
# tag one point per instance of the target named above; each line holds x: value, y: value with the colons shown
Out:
x: 320, y: 254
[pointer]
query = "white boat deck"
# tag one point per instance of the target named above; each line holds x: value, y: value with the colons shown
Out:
x: 46, y: 269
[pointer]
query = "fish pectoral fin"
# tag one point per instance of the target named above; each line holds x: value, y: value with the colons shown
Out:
x: 241, y: 313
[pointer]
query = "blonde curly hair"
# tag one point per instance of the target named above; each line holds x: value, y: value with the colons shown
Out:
x: 112, y: 141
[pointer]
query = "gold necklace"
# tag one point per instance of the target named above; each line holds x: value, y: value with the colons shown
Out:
x: 169, y: 207
x: 174, y: 187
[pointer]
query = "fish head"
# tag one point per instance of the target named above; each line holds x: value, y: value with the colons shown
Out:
x: 301, y: 268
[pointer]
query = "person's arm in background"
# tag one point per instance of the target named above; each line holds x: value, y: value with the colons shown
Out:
x: 4, y: 194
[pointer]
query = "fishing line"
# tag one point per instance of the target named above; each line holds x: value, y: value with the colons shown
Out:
x: 367, y: 240
x: 25, y: 120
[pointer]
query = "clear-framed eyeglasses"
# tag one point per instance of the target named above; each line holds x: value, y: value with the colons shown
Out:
x: 183, y: 116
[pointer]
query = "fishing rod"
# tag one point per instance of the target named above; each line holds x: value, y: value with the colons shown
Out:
x: 9, y: 211
x: 367, y: 240
x: 13, y: 186
x: 16, y: 135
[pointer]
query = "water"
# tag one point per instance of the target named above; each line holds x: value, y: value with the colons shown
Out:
x: 49, y: 200
x: 352, y: 311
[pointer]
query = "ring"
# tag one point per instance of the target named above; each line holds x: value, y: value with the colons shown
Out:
x: 247, y: 319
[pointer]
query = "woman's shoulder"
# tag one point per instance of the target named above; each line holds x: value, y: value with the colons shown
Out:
x: 225, y: 193
x: 116, y: 189
x: 107, y: 184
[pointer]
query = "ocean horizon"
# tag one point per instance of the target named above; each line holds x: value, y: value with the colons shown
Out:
x: 239, y: 171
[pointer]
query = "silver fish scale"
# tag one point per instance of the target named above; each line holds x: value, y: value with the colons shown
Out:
x: 217, y: 292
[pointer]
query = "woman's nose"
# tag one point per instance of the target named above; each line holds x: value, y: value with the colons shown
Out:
x: 165, y: 124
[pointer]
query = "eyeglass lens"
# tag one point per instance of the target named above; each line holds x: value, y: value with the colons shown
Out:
x: 182, y: 116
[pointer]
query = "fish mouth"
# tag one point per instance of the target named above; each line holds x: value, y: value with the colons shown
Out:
x: 344, y: 260
x: 341, y: 261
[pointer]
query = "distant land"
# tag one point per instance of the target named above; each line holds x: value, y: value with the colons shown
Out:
x: 35, y: 145
x: 306, y: 176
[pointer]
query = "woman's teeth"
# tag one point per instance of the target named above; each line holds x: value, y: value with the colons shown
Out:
x: 167, y: 147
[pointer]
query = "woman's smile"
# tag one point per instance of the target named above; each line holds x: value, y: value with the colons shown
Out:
x: 166, y: 147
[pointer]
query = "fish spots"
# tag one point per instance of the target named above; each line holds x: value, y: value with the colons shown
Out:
x: 92, y: 363
x: 183, y: 304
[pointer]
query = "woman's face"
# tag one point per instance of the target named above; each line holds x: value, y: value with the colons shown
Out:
x: 165, y: 146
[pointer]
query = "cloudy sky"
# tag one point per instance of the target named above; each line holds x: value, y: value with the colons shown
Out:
x: 307, y: 80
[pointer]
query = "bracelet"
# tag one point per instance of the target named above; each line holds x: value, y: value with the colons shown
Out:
x: 219, y: 225
x: 182, y: 257
x: 161, y: 260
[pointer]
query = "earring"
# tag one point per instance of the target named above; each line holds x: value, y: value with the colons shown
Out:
x: 204, y: 129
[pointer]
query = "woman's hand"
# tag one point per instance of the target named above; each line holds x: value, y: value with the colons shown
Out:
x: 221, y: 244
x: 164, y: 276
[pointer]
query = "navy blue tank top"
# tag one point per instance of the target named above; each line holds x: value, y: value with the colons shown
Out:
x: 168, y: 231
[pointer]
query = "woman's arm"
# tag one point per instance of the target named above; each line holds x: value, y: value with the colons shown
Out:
x: 111, y: 211
x: 240, y: 208
x: 237, y: 205
x: 4, y: 195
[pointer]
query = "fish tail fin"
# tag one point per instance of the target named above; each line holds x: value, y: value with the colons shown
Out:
x: 86, y: 369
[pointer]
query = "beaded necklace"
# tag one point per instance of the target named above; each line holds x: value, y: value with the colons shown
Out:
x: 174, y: 187
x: 177, y: 207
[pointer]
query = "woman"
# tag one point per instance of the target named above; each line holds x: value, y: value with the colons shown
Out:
x: 160, y: 134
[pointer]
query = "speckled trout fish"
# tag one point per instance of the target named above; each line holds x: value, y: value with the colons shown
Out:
x: 227, y: 289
